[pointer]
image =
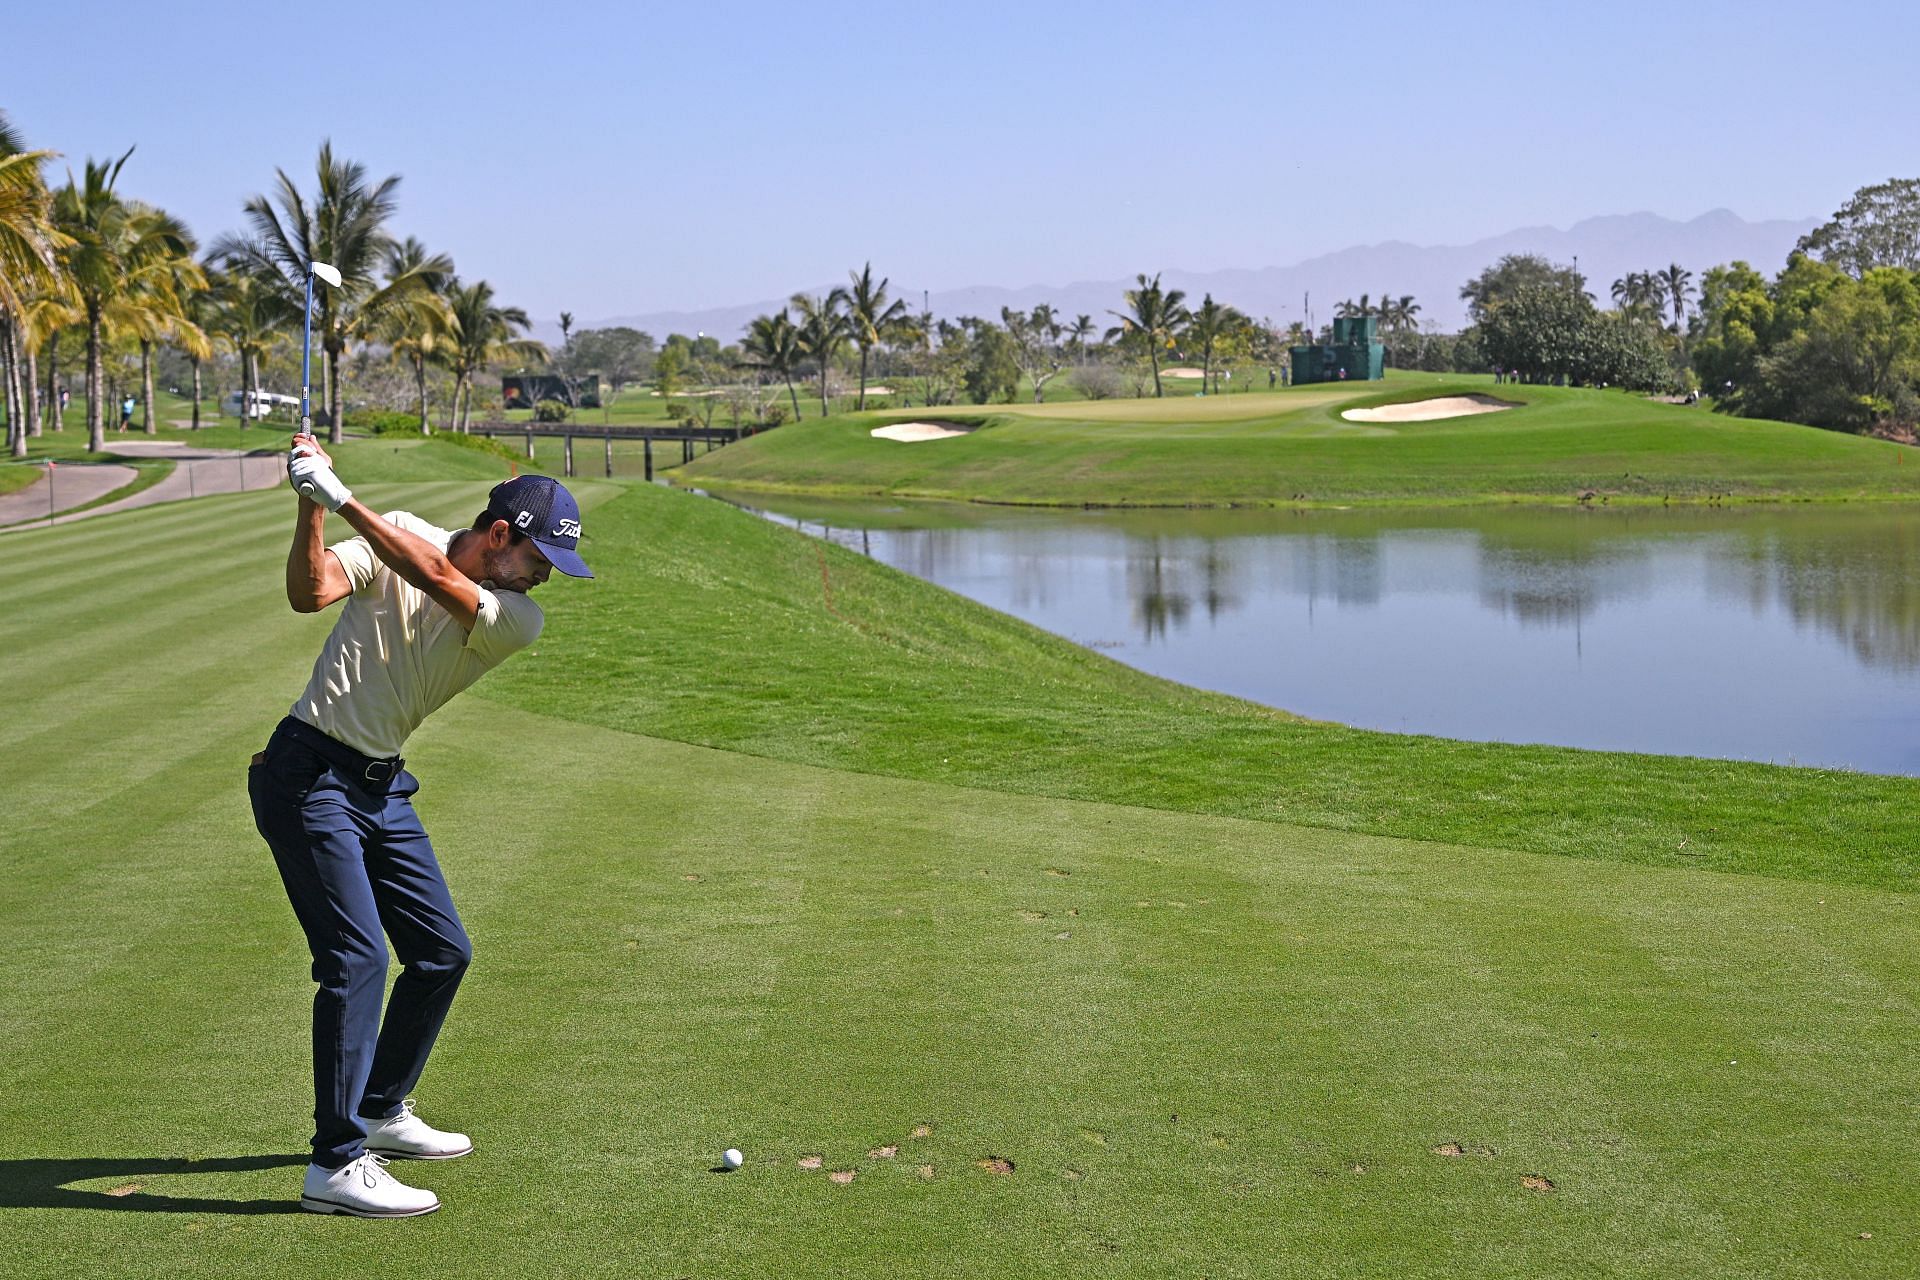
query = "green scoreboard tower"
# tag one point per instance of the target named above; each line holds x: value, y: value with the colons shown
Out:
x: 1355, y: 352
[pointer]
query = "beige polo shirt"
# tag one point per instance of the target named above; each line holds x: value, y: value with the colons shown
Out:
x: 395, y: 655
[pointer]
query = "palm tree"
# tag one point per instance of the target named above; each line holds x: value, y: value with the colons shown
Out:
x: 1211, y: 322
x: 773, y: 343
x: 153, y: 308
x: 1641, y: 294
x: 823, y: 332
x: 46, y: 314
x: 1677, y: 282
x: 1078, y: 332
x: 413, y: 323
x: 112, y: 244
x: 29, y: 243
x: 29, y: 240
x: 344, y: 225
x: 482, y: 334
x: 1396, y: 319
x: 203, y: 314
x: 870, y: 316
x: 253, y: 315
x: 1156, y: 315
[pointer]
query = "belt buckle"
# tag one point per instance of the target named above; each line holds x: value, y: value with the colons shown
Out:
x: 380, y: 771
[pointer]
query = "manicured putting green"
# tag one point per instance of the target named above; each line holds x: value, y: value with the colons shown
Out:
x: 1295, y: 448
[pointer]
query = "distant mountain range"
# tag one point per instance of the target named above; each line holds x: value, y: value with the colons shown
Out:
x: 1606, y: 248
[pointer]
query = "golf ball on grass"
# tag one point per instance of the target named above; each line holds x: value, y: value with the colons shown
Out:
x: 732, y: 1158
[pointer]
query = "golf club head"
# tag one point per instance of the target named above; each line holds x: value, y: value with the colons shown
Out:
x: 327, y: 272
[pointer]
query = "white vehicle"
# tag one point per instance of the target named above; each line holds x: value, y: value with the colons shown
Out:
x: 263, y: 403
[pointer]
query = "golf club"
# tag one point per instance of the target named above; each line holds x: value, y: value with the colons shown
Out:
x: 331, y: 275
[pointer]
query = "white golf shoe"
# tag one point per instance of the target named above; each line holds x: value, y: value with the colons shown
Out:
x: 408, y: 1137
x: 364, y: 1189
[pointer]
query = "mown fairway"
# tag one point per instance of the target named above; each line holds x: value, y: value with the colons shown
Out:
x: 1219, y: 984
x: 1293, y: 448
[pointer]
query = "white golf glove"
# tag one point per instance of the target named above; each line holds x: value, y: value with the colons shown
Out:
x: 314, y: 479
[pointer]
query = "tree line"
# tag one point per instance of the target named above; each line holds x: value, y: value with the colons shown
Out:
x: 88, y: 263
x: 1832, y: 340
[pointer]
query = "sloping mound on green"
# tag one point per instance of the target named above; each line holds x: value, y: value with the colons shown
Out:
x: 818, y: 655
x: 1295, y: 448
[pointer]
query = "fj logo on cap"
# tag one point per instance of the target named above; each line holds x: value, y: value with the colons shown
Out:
x: 568, y: 529
x: 524, y: 519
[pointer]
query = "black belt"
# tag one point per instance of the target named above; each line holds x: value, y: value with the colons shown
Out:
x: 341, y: 756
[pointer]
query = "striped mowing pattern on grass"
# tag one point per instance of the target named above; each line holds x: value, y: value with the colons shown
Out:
x: 1205, y: 1044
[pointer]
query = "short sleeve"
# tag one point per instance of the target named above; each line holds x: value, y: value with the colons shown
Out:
x: 505, y: 623
x: 356, y: 557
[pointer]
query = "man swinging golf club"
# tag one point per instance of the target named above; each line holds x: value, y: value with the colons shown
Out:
x: 428, y: 612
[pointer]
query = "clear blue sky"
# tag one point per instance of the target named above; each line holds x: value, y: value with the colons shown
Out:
x: 611, y: 158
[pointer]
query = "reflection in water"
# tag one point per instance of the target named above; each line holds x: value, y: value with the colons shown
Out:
x: 1166, y: 576
x: 1789, y: 635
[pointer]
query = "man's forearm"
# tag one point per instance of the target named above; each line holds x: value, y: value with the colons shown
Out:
x: 415, y: 559
x: 307, y: 559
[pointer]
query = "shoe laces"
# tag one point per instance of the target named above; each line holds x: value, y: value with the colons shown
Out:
x: 373, y: 1170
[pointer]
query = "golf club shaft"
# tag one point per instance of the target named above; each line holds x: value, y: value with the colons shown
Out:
x: 306, y: 372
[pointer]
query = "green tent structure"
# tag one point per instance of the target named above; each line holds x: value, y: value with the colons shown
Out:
x: 1355, y: 354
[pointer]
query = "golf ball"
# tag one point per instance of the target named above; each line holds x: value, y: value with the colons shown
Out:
x: 732, y: 1157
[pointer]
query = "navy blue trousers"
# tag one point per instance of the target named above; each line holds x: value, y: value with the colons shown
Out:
x: 356, y: 864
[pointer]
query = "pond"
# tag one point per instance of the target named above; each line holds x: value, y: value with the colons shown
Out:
x: 1784, y: 634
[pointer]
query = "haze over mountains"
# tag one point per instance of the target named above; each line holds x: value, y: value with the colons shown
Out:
x: 1605, y: 248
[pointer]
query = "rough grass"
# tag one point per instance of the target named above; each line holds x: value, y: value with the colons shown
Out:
x: 1294, y: 448
x: 1203, y: 1043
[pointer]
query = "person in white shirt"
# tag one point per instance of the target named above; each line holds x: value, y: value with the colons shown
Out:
x: 428, y: 612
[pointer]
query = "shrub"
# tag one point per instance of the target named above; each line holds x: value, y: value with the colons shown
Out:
x: 550, y: 411
x: 1096, y: 381
x: 383, y: 422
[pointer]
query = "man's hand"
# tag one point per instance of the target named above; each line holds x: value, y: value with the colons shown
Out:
x: 311, y: 472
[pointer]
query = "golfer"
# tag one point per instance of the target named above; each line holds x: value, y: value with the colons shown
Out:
x: 428, y: 612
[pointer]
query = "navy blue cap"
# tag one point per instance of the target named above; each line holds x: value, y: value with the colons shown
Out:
x: 541, y: 508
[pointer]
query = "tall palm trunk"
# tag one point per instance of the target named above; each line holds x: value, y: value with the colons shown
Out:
x: 196, y: 391
x: 459, y: 398
x: 30, y: 424
x: 1154, y: 356
x: 16, y: 430
x: 249, y: 383
x: 823, y: 388
x: 863, y: 376
x: 336, y: 418
x: 96, y: 377
x: 420, y: 382
x: 147, y: 423
x: 53, y: 380
x: 792, y: 394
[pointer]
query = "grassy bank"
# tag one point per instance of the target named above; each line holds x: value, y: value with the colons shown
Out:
x: 950, y: 887
x: 1293, y: 447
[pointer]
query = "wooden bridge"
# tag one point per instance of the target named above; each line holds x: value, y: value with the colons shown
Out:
x: 711, y: 437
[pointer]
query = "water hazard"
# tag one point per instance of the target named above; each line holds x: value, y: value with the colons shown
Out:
x: 1789, y: 635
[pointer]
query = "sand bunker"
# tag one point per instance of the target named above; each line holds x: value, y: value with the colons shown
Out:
x: 1183, y: 372
x: 912, y: 432
x: 1429, y: 410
